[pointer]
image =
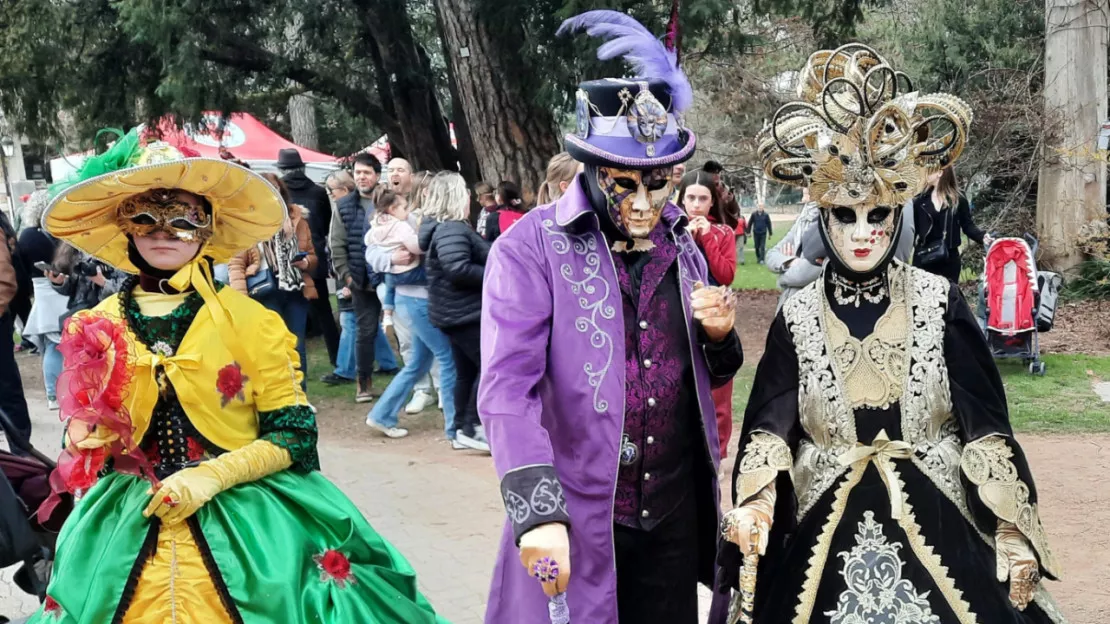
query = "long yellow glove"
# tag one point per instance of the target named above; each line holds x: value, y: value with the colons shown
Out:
x: 184, y: 492
x: 749, y: 525
x: 1017, y: 563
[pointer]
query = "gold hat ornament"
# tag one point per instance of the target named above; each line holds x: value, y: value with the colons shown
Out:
x: 859, y: 134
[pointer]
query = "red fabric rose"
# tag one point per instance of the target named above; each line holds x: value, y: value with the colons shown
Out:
x: 195, y: 451
x: 51, y: 607
x: 334, y: 566
x: 229, y: 383
x: 84, y: 470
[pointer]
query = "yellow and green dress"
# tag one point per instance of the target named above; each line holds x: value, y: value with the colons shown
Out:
x: 286, y: 548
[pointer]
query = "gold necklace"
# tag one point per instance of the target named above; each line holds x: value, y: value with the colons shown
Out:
x: 847, y: 292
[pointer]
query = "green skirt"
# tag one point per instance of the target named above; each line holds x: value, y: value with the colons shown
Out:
x: 264, y: 539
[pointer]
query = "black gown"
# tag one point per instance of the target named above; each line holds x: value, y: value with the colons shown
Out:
x: 836, y: 552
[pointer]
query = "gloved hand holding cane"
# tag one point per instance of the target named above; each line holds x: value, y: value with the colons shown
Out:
x: 545, y: 553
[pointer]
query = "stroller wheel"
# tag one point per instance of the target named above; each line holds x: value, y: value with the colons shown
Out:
x: 1036, y: 368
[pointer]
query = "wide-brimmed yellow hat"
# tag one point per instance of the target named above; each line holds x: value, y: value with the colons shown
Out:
x: 246, y: 208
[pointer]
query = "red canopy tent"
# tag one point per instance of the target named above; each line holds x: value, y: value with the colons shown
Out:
x: 243, y: 135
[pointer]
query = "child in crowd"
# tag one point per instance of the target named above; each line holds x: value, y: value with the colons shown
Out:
x: 391, y: 230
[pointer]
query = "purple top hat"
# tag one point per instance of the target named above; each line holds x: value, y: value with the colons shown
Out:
x: 631, y: 123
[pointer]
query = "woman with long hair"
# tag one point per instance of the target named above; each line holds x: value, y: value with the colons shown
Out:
x: 940, y: 214
x: 485, y: 195
x: 339, y: 184
x: 561, y: 170
x: 510, y: 208
x: 289, y: 258
x: 456, y: 261
x: 699, y: 197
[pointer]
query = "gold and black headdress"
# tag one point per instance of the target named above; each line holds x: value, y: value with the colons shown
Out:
x: 859, y: 134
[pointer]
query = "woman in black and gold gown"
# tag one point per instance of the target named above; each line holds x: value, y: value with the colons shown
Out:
x: 877, y: 474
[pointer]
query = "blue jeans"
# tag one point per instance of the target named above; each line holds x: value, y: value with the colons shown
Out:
x: 428, y: 343
x: 346, y: 362
x: 293, y: 308
x: 51, y: 367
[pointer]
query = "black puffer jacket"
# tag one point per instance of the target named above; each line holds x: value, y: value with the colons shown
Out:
x: 456, y: 263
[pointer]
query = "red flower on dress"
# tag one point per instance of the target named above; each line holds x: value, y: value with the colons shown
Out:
x: 334, y: 566
x: 229, y: 382
x: 195, y: 451
x: 51, y: 607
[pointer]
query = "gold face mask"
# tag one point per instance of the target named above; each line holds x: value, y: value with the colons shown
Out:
x: 636, y: 198
x: 165, y: 210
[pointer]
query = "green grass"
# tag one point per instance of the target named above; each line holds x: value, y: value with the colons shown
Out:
x: 318, y: 366
x: 1063, y: 401
x: 752, y: 276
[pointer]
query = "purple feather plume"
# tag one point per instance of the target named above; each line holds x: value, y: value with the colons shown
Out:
x: 639, y: 47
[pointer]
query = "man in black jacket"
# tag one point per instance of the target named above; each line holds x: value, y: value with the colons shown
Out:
x: 314, y: 199
x: 759, y: 223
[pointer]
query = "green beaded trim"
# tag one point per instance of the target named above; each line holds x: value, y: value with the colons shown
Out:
x: 294, y: 429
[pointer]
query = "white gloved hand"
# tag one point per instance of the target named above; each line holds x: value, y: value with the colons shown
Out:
x: 551, y: 542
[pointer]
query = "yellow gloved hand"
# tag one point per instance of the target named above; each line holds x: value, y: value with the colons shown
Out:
x: 184, y: 492
x: 749, y: 525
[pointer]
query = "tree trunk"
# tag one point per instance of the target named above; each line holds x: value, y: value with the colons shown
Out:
x: 513, y: 138
x: 1072, y: 185
x: 302, y: 119
x: 406, y: 87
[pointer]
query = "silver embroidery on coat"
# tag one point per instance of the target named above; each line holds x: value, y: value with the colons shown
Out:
x: 592, y: 290
x: 876, y: 593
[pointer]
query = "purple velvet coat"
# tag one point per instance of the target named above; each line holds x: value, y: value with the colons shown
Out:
x: 553, y: 392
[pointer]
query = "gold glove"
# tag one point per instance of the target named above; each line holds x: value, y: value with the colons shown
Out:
x: 715, y: 309
x: 184, y: 492
x: 545, y: 553
x: 749, y: 525
x: 1016, y: 562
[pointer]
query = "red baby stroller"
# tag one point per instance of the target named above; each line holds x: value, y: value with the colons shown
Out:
x: 24, y: 485
x: 1020, y: 302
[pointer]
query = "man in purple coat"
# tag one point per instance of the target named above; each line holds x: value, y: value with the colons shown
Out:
x: 600, y: 345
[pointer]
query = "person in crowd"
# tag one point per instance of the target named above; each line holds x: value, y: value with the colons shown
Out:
x: 717, y: 243
x: 510, y: 208
x: 12, y: 400
x: 741, y: 238
x: 349, y: 223
x: 212, y: 507
x: 759, y: 223
x: 600, y: 345
x: 877, y: 475
x: 43, y: 325
x: 729, y: 202
x: 288, y: 260
x: 339, y: 184
x: 561, y: 170
x: 389, y: 232
x: 455, y: 260
x: 316, y: 211
x: 487, y: 200
x: 423, y: 395
x: 400, y: 176
x: 941, y: 213
x: 83, y: 279
x: 677, y: 173
x: 428, y: 344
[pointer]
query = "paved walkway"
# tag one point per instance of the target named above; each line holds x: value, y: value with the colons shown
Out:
x: 440, y: 508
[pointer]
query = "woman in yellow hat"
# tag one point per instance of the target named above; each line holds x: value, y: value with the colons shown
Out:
x: 192, y: 452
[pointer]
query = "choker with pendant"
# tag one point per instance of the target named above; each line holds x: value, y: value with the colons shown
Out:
x: 848, y: 292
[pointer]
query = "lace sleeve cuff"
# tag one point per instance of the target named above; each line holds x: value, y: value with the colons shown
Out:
x: 533, y: 496
x: 294, y: 429
x: 988, y: 465
x: 764, y: 457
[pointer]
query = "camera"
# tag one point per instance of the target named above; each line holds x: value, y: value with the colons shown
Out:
x: 86, y: 268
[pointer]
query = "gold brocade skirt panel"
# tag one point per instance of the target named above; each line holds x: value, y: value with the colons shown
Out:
x: 174, y: 586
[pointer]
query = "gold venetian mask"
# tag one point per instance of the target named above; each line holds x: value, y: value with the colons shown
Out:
x: 165, y: 210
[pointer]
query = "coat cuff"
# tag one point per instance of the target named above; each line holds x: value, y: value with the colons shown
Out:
x: 722, y: 358
x: 533, y: 496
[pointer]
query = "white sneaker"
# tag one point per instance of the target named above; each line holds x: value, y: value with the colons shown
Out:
x: 478, y: 441
x: 390, y: 432
x: 387, y: 320
x: 52, y: 405
x: 420, y: 402
x: 456, y: 445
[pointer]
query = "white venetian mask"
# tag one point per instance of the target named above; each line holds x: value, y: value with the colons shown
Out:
x: 861, y: 236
